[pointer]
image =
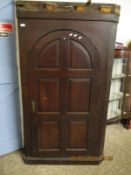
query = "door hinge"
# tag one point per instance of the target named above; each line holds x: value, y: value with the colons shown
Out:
x: 33, y: 105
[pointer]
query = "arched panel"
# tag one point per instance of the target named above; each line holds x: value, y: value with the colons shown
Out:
x: 78, y: 56
x: 81, y: 52
x: 49, y: 55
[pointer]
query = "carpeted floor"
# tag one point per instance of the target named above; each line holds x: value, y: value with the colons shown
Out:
x: 117, y: 144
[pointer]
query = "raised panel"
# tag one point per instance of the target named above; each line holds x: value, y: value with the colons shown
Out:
x: 48, y: 135
x: 79, y: 91
x: 78, y: 56
x: 48, y: 94
x: 49, y: 55
x: 77, y: 135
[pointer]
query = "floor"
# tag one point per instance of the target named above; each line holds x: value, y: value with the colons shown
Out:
x: 117, y: 144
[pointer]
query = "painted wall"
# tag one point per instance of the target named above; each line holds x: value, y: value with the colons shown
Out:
x: 10, y: 131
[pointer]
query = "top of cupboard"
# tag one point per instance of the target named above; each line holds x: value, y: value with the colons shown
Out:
x: 47, y: 10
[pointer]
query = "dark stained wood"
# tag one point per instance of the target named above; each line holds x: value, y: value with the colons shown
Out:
x: 71, y: 16
x: 45, y: 59
x: 126, y: 107
x: 77, y: 135
x: 49, y: 140
x: 66, y: 72
x: 129, y: 66
x: 79, y: 56
x: 48, y: 95
x: 79, y: 95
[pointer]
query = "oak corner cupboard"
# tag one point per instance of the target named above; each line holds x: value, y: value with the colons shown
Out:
x: 66, y: 54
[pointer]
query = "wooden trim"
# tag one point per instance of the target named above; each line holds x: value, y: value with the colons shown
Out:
x: 68, y: 16
x: 59, y: 160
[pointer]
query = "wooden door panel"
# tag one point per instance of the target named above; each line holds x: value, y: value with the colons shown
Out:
x: 79, y: 91
x: 49, y: 55
x: 79, y: 57
x: 62, y: 75
x: 48, y: 135
x: 77, y: 132
x: 48, y: 94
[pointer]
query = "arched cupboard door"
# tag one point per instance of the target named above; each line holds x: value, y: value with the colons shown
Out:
x: 64, y: 69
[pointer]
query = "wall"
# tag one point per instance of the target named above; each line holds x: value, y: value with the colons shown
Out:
x: 10, y: 135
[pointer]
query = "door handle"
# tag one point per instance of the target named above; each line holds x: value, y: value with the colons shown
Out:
x: 33, y: 105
